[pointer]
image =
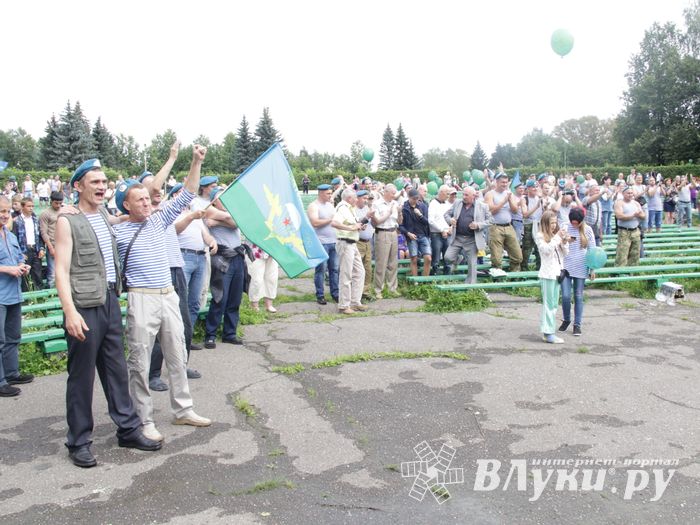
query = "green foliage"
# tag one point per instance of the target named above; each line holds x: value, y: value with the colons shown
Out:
x: 288, y: 370
x: 245, y: 149
x: 265, y: 133
x: 467, y: 301
x: 373, y: 356
x: 404, y: 155
x: 104, y: 143
x: 478, y: 159
x: 264, y: 486
x: 18, y: 149
x: 244, y: 406
x: 32, y: 360
x: 386, y: 149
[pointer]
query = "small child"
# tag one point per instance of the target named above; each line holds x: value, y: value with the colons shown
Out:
x: 403, y: 247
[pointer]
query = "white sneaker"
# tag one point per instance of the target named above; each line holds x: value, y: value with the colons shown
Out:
x: 192, y: 419
x: 150, y: 431
x: 553, y: 339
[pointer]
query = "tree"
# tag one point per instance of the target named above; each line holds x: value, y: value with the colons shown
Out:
x: 48, y: 153
x: 504, y: 154
x: 228, y: 154
x: 158, y: 151
x: 539, y: 150
x: 661, y: 116
x: 18, y: 149
x: 404, y: 155
x: 386, y: 150
x: 265, y: 133
x: 245, y: 149
x: 73, y: 140
x: 478, y: 158
x: 104, y: 143
x: 127, y: 154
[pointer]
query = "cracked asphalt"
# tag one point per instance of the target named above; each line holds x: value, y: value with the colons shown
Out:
x: 326, y: 445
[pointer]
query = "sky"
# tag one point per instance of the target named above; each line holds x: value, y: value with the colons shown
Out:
x: 331, y: 72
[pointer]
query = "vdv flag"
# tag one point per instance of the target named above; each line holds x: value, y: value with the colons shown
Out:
x: 516, y: 181
x: 265, y: 204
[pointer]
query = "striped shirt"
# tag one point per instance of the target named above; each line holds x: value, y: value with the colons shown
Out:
x: 575, y: 260
x: 148, y: 265
x: 104, y: 239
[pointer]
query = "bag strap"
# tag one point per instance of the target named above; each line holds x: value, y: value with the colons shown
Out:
x: 131, y: 243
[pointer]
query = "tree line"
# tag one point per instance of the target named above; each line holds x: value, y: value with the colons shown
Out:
x: 659, y: 124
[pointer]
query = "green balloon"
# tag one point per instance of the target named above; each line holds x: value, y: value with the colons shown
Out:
x: 466, y: 176
x: 368, y: 154
x: 580, y: 179
x: 432, y: 175
x: 478, y: 176
x: 399, y: 184
x: 562, y: 42
x: 482, y: 186
x: 432, y: 187
x: 596, y: 257
x: 439, y: 181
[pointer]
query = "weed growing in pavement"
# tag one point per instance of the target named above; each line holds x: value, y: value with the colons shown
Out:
x: 244, y: 406
x: 264, y: 486
x: 582, y: 350
x: 276, y: 452
x: 288, y: 370
x: 392, y: 467
x: 311, y: 392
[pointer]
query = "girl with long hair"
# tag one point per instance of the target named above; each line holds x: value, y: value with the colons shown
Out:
x: 552, y: 243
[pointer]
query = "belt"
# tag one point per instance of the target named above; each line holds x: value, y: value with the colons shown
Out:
x: 385, y: 229
x: 517, y: 220
x: 195, y: 252
x: 364, y: 240
x: 153, y: 291
x: 351, y: 241
x: 504, y: 224
x: 628, y: 229
x: 684, y: 202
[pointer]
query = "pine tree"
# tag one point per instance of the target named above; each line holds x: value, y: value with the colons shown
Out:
x: 245, y: 148
x: 386, y: 150
x: 479, y: 158
x: 404, y: 159
x: 412, y: 160
x: 48, y: 146
x: 74, y: 142
x: 104, y: 144
x: 228, y: 153
x: 265, y: 133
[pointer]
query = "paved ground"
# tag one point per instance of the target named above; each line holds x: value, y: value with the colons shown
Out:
x: 332, y: 440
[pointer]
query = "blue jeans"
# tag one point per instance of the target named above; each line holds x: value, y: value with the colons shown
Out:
x: 194, y: 275
x: 10, y: 334
x: 578, y: 284
x: 230, y: 303
x: 607, y: 230
x: 684, y: 213
x: 438, y: 247
x: 654, y: 219
x: 332, y: 265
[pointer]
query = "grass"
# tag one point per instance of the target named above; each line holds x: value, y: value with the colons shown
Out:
x: 628, y: 306
x: 582, y: 350
x: 504, y: 316
x: 531, y: 291
x: 392, y: 467
x: 32, y: 360
x: 244, y: 406
x: 437, y: 301
x: 311, y: 392
x: 301, y: 298
x: 276, y: 452
x: 264, y: 486
x: 288, y: 370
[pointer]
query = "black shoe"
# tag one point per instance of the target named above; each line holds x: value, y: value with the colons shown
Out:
x: 210, y: 342
x: 9, y: 391
x: 193, y: 374
x: 335, y: 299
x: 564, y: 325
x: 321, y: 300
x: 235, y: 341
x: 577, y: 330
x: 141, y: 442
x: 157, y: 385
x: 82, y: 457
x: 195, y: 346
x: 20, y: 379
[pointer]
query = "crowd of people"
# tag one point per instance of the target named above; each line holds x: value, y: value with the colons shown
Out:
x: 168, y: 244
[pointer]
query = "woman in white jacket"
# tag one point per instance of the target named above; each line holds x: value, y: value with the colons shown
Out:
x: 553, y: 245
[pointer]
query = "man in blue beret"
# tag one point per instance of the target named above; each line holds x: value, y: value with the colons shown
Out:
x: 502, y: 205
x: 320, y: 213
x: 153, y: 306
x: 88, y: 282
x: 337, y: 185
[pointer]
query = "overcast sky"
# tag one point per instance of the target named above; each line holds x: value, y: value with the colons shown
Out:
x: 331, y: 71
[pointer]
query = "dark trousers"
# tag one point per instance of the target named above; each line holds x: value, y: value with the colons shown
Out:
x: 35, y: 271
x: 102, y: 349
x: 180, y: 285
x: 10, y: 335
x: 439, y: 245
x: 228, y: 307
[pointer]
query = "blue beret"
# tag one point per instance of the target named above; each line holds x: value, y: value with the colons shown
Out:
x: 13, y: 178
x: 144, y: 175
x: 323, y: 187
x: 121, y: 193
x: 336, y: 180
x: 215, y: 192
x: 210, y: 179
x: 542, y: 176
x: 86, y: 166
x: 530, y: 184
x: 362, y: 193
x: 175, y: 189
x: 501, y: 175
x: 562, y: 183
